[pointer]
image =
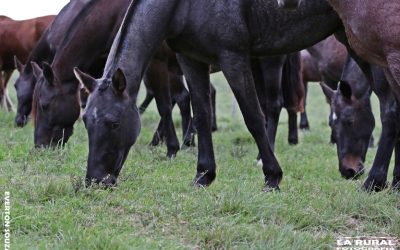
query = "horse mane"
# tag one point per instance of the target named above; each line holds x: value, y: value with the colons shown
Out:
x: 292, y: 85
x: 117, y: 47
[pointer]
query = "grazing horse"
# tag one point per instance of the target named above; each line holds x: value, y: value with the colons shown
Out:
x: 351, y: 119
x: 225, y: 33
x: 362, y: 121
x: 44, y: 51
x: 55, y: 105
x: 57, y: 88
x: 17, y: 38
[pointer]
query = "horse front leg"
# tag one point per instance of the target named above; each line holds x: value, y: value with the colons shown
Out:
x: 237, y: 70
x: 198, y: 79
x: 147, y: 100
x: 158, y: 79
x: 377, y: 177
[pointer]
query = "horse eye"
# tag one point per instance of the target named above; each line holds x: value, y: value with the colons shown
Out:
x: 114, y: 125
x: 44, y: 107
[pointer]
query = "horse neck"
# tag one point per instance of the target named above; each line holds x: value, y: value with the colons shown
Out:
x: 140, y: 35
x: 83, y: 45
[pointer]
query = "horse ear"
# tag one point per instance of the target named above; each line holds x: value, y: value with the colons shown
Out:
x: 48, y: 73
x: 345, y: 89
x: 86, y: 80
x: 18, y: 65
x: 119, y: 81
x: 328, y: 92
x: 37, y: 71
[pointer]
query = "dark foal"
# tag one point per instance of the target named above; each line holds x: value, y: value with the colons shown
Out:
x: 358, y: 115
x: 351, y: 119
x: 44, y: 51
x: 17, y: 38
x: 226, y: 33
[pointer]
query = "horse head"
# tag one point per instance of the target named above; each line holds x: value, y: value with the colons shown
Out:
x: 55, y: 107
x: 113, y: 125
x: 352, y: 122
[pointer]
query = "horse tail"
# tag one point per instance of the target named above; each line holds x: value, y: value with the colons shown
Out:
x: 292, y: 85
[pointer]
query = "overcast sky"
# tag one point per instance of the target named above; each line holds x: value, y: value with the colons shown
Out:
x: 24, y: 9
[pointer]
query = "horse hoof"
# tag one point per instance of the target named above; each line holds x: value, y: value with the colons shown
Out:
x: 268, y: 189
x: 374, y: 185
x: 293, y: 141
x: 171, y: 154
x: 304, y: 126
x: 203, y: 179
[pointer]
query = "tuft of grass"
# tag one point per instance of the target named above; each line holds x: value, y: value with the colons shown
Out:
x: 154, y: 205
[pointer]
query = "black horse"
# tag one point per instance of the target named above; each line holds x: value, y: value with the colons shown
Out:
x: 224, y: 33
x: 354, y: 123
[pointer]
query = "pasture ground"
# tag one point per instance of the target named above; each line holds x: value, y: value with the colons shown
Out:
x: 154, y: 206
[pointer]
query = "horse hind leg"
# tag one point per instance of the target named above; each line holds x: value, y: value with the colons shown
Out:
x: 214, y: 126
x: 181, y: 96
x: 293, y: 136
x: 304, y: 124
x: 157, y: 78
x: 236, y: 68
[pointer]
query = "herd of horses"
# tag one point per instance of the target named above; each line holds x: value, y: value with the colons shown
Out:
x: 95, y: 55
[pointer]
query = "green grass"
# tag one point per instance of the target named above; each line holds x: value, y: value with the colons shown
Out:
x: 154, y: 206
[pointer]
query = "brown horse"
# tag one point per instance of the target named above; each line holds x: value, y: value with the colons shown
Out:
x: 17, y: 38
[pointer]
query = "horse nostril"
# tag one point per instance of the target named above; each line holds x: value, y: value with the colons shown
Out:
x: 20, y: 121
x: 348, y: 173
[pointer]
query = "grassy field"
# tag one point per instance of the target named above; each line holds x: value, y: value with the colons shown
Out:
x: 154, y: 206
